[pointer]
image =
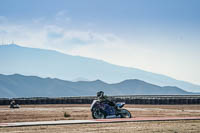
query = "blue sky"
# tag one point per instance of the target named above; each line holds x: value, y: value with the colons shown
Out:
x: 160, y: 36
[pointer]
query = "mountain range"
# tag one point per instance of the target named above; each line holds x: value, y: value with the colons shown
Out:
x: 32, y: 86
x: 49, y: 63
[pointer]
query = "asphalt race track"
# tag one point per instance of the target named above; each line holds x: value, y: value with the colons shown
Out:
x: 117, y: 120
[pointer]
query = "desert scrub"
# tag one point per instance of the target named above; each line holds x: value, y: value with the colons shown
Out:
x: 66, y: 114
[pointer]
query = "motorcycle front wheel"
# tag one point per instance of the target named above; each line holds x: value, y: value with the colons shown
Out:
x: 125, y: 113
x: 97, y: 114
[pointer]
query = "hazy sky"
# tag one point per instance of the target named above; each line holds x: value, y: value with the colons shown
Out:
x: 161, y: 36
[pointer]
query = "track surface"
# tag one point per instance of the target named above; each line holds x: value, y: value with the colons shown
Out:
x: 65, y: 122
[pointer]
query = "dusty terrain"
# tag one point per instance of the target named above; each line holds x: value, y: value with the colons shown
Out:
x: 75, y: 111
x: 131, y: 127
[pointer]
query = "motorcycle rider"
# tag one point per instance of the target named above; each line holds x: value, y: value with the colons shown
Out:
x: 104, y: 99
x: 105, y: 108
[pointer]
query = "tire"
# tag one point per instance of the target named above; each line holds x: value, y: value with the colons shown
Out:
x: 125, y: 113
x: 97, y: 114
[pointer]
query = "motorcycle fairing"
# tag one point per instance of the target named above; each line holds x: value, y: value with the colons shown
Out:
x: 120, y: 105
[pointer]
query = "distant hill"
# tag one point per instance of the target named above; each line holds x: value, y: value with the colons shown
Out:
x: 31, y: 86
x: 48, y: 63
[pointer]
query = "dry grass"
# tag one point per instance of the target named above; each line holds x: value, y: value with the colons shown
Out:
x: 56, y: 112
x: 44, y: 113
x: 131, y: 127
x: 82, y: 112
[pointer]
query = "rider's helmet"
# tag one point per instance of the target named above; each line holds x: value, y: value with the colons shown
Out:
x: 100, y: 94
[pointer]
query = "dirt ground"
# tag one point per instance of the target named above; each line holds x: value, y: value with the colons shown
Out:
x: 81, y: 112
x: 188, y: 126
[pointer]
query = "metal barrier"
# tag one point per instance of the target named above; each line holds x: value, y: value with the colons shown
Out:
x: 134, y: 99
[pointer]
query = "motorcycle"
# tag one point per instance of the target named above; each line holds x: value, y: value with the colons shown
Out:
x: 103, y: 110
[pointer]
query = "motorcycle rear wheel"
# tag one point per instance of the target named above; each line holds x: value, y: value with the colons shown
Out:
x: 125, y: 113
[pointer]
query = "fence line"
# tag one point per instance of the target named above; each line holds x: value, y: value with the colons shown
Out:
x: 146, y: 99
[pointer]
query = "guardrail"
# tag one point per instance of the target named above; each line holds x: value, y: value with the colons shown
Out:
x: 133, y: 99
